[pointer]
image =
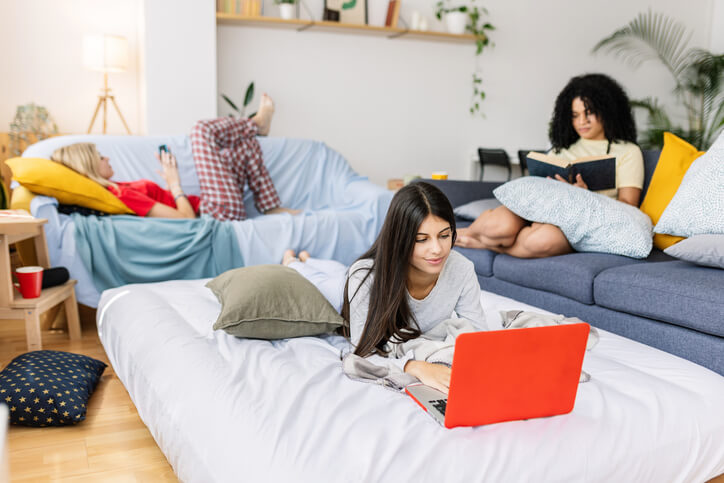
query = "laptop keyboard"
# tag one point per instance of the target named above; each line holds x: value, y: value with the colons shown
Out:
x: 440, y: 405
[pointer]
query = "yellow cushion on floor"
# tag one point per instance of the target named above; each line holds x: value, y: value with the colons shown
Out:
x: 46, y: 177
x: 675, y: 159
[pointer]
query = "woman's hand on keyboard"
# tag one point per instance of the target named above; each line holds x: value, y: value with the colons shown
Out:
x: 433, y: 375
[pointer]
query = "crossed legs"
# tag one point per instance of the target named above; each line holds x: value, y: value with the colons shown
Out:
x: 503, y: 231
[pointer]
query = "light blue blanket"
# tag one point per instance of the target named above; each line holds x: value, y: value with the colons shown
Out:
x: 342, y: 212
x: 115, y: 249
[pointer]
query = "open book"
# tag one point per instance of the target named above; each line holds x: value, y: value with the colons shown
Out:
x: 598, y: 172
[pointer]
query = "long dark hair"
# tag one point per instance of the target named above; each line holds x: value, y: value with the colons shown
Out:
x: 603, y: 97
x: 389, y: 316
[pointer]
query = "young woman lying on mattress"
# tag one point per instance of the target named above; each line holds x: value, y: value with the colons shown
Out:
x: 227, y: 155
x: 406, y: 284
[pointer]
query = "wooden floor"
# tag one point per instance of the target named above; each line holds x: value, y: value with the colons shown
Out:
x: 112, y: 444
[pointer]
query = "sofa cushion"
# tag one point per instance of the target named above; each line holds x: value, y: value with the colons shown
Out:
x: 482, y: 259
x: 569, y: 275
x: 675, y: 159
x: 676, y: 292
x: 697, y: 208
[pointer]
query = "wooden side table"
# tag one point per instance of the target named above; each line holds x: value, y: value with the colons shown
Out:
x: 12, y: 304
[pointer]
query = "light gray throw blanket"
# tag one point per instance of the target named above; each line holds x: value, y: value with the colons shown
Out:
x: 438, y: 344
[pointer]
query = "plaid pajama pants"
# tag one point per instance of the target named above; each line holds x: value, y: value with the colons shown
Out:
x: 227, y: 155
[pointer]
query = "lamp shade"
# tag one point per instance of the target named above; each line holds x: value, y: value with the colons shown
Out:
x: 107, y: 53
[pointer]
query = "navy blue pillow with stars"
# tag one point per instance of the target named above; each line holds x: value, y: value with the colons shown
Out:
x: 49, y: 388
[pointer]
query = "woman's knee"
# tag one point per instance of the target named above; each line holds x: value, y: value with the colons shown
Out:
x: 201, y: 129
x: 545, y: 241
x: 499, y: 222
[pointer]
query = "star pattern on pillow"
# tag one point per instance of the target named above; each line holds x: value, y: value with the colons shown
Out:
x: 49, y: 388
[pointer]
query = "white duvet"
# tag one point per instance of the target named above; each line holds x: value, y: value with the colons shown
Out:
x: 229, y: 409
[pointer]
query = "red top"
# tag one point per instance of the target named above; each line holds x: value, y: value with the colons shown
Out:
x: 141, y: 195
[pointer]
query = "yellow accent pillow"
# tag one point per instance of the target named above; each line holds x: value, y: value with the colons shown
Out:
x: 20, y: 200
x: 46, y: 177
x: 675, y: 159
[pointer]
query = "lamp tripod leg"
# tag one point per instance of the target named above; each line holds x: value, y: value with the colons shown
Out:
x: 118, y: 110
x: 105, y: 114
x: 95, y: 114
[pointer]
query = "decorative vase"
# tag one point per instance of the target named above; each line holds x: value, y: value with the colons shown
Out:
x: 455, y: 22
x: 286, y: 11
x: 377, y: 12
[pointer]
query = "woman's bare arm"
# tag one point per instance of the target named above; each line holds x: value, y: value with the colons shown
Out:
x: 629, y: 196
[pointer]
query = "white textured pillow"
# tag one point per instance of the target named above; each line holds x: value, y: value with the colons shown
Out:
x: 471, y: 211
x: 590, y: 221
x: 707, y: 250
x: 697, y: 208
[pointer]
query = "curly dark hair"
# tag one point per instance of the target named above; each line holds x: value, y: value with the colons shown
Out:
x: 603, y: 97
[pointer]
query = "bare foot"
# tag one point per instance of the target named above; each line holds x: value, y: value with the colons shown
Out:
x: 281, y: 209
x: 289, y: 257
x: 469, y: 241
x: 303, y: 256
x: 264, y: 115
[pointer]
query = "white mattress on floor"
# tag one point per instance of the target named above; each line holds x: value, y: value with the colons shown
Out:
x: 229, y: 409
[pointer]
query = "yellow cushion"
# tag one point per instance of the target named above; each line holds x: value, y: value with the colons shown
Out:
x: 21, y: 199
x: 46, y: 177
x: 675, y: 159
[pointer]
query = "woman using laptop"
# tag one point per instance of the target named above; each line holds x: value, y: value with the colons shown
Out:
x: 408, y: 282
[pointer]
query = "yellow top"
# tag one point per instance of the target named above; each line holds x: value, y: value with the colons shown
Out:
x: 629, y: 161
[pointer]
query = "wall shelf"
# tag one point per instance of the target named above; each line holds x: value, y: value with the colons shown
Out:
x: 320, y: 25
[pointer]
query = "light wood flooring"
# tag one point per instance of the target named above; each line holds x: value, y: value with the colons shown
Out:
x: 111, y: 445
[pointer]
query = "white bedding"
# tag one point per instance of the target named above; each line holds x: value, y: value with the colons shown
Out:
x: 229, y: 409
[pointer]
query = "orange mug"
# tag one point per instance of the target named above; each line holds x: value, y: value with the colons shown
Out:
x: 30, y: 281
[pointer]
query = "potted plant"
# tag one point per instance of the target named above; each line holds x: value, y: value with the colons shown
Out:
x: 455, y: 18
x: 471, y: 18
x: 286, y: 9
x: 248, y: 96
x: 698, y: 77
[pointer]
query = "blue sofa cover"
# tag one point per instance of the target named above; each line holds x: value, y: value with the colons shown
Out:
x: 669, y: 304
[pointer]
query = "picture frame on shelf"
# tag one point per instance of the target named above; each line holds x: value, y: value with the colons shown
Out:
x: 346, y: 11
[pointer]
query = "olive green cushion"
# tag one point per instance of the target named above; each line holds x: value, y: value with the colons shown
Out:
x: 271, y: 302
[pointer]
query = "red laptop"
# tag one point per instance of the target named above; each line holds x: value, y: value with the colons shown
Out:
x: 507, y: 375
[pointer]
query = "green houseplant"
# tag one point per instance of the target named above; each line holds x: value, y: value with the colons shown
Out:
x: 248, y: 96
x: 698, y: 77
x: 478, y: 27
x: 286, y: 8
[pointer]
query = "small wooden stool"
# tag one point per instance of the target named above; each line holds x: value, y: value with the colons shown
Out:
x: 12, y: 304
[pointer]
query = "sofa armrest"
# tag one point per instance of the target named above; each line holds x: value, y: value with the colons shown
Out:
x: 461, y: 192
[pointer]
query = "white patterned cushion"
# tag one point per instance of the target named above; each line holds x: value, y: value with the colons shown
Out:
x: 590, y: 221
x: 697, y: 208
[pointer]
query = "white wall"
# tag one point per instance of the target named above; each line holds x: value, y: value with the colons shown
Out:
x: 392, y: 107
x: 716, y: 44
x: 396, y: 107
x: 42, y: 60
x: 178, y: 59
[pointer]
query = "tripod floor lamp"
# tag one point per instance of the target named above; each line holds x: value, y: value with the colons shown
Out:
x: 105, y: 53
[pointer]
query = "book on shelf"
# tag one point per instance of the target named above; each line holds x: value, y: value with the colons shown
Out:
x: 598, y: 172
x: 393, y: 13
x: 246, y: 8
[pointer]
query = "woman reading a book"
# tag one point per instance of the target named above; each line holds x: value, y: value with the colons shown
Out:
x: 227, y: 156
x: 592, y: 117
x: 406, y: 284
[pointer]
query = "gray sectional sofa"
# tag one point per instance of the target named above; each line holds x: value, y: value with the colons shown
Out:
x: 663, y: 302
